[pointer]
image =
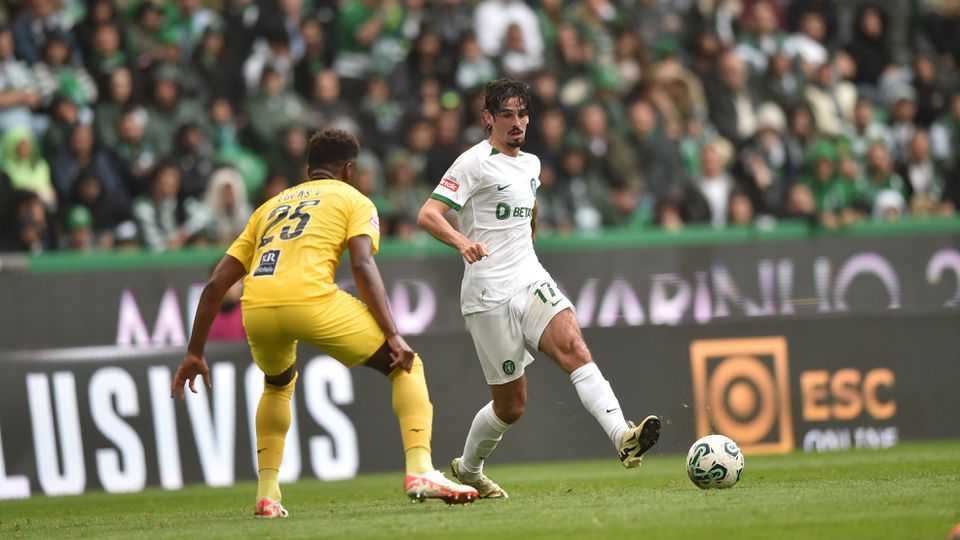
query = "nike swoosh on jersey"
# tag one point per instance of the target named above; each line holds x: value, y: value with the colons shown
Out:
x: 501, y: 188
x: 557, y: 302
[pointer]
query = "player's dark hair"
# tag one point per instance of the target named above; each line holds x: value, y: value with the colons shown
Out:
x: 330, y: 149
x: 498, y: 92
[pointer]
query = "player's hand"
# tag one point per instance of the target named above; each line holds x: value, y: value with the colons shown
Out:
x: 191, y: 366
x: 474, y: 251
x: 401, y: 355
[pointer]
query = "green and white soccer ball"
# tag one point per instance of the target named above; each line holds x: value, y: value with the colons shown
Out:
x: 714, y: 461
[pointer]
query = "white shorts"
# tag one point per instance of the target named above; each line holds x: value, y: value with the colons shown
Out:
x: 503, y: 334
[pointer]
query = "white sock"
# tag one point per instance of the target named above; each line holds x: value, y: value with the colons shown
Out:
x: 485, y: 432
x: 598, y: 398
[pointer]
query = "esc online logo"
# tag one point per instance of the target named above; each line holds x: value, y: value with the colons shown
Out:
x: 742, y: 389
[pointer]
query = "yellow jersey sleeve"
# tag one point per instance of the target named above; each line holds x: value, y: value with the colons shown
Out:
x: 364, y: 219
x: 244, y: 246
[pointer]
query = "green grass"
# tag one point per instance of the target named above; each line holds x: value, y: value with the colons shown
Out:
x: 910, y: 491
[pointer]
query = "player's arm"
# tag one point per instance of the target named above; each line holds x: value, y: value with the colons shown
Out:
x: 432, y: 220
x: 227, y: 272
x: 374, y: 294
x: 533, y: 221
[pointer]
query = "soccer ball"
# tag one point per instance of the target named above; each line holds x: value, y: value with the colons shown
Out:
x: 714, y: 461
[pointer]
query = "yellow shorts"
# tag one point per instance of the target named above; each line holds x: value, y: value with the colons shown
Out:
x: 340, y: 326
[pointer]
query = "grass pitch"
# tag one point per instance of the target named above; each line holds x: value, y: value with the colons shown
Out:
x: 910, y: 491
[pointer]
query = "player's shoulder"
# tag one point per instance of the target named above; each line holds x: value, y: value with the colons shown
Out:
x: 473, y: 157
x: 533, y: 159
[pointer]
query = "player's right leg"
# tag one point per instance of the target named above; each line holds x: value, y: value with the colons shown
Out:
x: 274, y: 352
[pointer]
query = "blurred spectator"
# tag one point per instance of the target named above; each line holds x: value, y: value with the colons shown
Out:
x: 715, y: 183
x: 678, y: 95
x: 82, y: 153
x: 807, y: 45
x: 889, y: 205
x: 105, y: 212
x: 215, y: 68
x: 428, y: 60
x: 555, y: 203
x: 941, y: 28
x: 933, y: 91
x: 766, y: 166
x: 945, y: 133
x: 226, y: 200
x: 781, y: 84
x: 870, y: 48
x: 881, y: 174
x: 133, y: 155
x: 925, y: 180
x: 168, y: 221
x: 273, y: 52
x: 361, y: 25
x: 445, y: 148
x: 516, y: 60
x: 832, y: 100
x: 864, y: 130
x: 731, y: 100
x: 55, y: 74
x: 474, y: 68
x: 608, y: 154
x: 825, y: 9
x: 168, y: 111
x: 763, y: 36
x: 27, y: 225
x: 194, y: 156
x: 25, y: 167
x: 64, y: 117
x: 80, y: 229
x: 326, y: 106
x: 290, y: 158
x: 143, y: 35
x: 597, y: 20
x: 903, y: 107
x: 631, y: 58
x: 188, y: 20
x: 108, y: 53
x: 108, y: 109
x: 19, y: 94
x: 802, y: 134
x: 405, y: 194
x: 315, y: 57
x: 34, y: 27
x: 739, y: 209
x: 656, y: 156
x: 493, y: 18
x: 98, y: 12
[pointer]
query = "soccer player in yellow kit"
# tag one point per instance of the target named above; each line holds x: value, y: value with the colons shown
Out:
x: 289, y: 252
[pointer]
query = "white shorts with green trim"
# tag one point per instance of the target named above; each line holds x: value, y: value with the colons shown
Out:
x: 504, y: 335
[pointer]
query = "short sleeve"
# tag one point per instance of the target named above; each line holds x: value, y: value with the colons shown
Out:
x: 364, y: 220
x: 458, y: 183
x: 245, y: 245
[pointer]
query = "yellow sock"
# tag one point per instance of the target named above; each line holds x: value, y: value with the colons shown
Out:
x: 273, y: 421
x: 411, y: 404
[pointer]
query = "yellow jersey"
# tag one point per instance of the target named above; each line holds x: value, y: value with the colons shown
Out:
x: 291, y: 246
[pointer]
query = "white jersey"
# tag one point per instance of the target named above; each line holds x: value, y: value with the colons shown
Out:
x: 494, y: 194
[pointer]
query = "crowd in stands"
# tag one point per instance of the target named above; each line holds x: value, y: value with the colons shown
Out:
x: 162, y: 123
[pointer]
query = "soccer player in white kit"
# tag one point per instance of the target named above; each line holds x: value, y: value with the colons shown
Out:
x: 509, y: 301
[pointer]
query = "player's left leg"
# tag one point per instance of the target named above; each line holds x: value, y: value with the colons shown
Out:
x: 348, y: 332
x: 411, y: 404
x: 562, y: 340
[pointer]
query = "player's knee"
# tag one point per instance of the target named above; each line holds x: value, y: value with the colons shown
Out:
x: 575, y: 354
x: 510, y: 411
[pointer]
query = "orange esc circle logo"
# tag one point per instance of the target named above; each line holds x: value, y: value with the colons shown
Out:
x: 741, y: 389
